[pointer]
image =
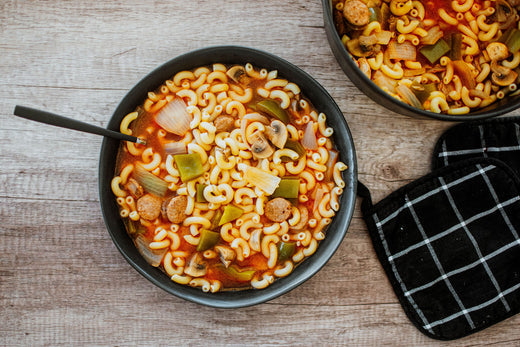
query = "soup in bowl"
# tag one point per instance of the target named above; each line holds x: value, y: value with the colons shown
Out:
x: 439, y: 58
x: 245, y: 186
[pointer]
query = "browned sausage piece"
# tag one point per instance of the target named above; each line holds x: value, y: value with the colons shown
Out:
x: 304, y: 219
x: 176, y: 209
x: 149, y: 206
x: 278, y: 210
x: 224, y: 123
x: 356, y: 12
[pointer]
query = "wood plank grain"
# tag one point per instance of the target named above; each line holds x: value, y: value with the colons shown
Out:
x: 63, y: 282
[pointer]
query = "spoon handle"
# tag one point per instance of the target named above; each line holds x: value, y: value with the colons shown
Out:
x: 64, y: 122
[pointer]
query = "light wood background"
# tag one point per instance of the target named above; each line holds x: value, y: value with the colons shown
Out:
x: 62, y: 281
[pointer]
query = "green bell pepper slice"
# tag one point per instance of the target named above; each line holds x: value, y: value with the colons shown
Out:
x: 208, y: 239
x: 199, y: 197
x: 288, y: 188
x: 436, y: 51
x: 236, y: 273
x: 456, y: 46
x: 295, y: 146
x: 285, y: 250
x: 216, y: 219
x: 273, y: 109
x: 189, y: 166
x: 230, y: 214
x: 513, y: 41
x: 375, y: 14
x: 423, y: 91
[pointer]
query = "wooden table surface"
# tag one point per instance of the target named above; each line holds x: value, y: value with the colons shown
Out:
x: 63, y: 282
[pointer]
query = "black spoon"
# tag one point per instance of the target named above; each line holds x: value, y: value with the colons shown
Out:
x: 64, y: 122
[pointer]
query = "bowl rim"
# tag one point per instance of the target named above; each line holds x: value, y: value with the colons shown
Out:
x: 374, y: 92
x: 304, y: 271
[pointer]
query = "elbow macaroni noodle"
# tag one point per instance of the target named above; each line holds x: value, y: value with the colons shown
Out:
x: 254, y: 243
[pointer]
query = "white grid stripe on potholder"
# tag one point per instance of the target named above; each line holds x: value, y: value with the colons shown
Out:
x: 445, y: 154
x: 472, y: 239
x: 497, y: 201
x: 431, y: 193
x: 439, y: 266
x: 455, y: 227
x: 474, y: 308
x: 465, y: 268
x: 483, y: 259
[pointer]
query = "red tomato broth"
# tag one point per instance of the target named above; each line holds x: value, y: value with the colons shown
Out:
x: 432, y: 7
x: 145, y: 127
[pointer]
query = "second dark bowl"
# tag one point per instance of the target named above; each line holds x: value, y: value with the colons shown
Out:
x: 373, y: 91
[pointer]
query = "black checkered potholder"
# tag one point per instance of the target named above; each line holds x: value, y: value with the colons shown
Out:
x: 496, y: 138
x: 449, y: 244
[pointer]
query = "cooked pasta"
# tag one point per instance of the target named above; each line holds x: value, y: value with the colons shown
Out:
x: 412, y: 49
x: 236, y: 161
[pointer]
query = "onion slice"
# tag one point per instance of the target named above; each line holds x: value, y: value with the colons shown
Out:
x: 463, y: 70
x: 433, y: 35
x: 175, y: 148
x: 152, y: 256
x: 408, y: 96
x: 402, y: 51
x: 259, y: 178
x: 383, y: 81
x: 150, y: 182
x: 309, y: 138
x: 320, y: 192
x: 174, y: 118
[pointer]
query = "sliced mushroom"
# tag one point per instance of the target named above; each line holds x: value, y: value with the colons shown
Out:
x: 504, y: 14
x: 497, y: 51
x: 277, y: 133
x: 238, y: 74
x: 502, y: 76
x: 356, y: 49
x: 226, y: 254
x: 259, y: 145
x: 196, y: 266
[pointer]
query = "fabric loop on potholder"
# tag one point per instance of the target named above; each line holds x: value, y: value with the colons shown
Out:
x: 493, y: 138
x: 449, y: 244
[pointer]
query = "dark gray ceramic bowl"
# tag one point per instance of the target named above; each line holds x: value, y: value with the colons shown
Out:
x: 368, y: 87
x: 323, y: 102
